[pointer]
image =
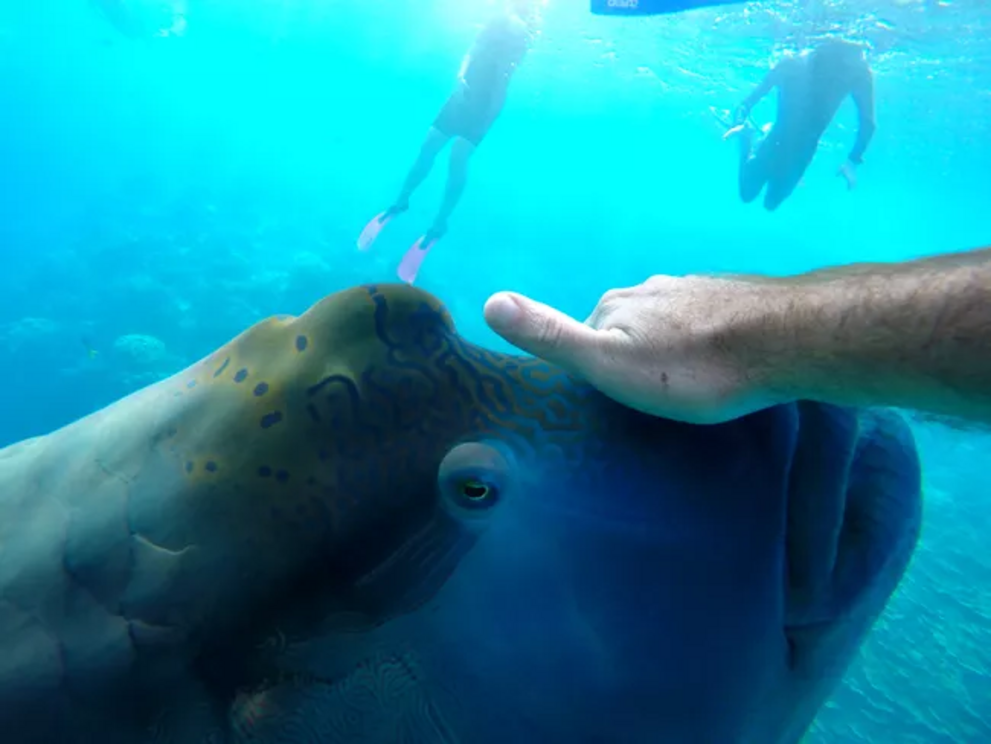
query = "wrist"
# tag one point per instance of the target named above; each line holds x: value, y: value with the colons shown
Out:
x: 803, y: 340
x: 773, y: 340
x: 755, y: 328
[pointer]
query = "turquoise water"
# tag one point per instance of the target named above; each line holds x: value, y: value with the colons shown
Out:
x: 161, y: 194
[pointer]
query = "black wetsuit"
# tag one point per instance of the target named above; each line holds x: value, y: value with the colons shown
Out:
x: 474, y: 106
x: 811, y: 88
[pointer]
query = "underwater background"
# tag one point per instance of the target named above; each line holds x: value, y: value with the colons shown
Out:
x: 161, y: 192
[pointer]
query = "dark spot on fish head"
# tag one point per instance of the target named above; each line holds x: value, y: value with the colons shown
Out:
x: 220, y: 370
x: 271, y: 419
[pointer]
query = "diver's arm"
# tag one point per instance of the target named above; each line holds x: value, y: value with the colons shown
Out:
x: 863, y: 97
x: 709, y: 349
x: 912, y: 335
x: 762, y: 89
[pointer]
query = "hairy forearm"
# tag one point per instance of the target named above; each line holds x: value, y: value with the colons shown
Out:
x: 913, y: 335
x: 762, y: 89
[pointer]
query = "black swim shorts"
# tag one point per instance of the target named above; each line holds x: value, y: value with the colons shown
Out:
x: 467, y: 114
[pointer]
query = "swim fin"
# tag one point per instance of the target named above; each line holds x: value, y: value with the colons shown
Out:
x: 371, y: 231
x: 410, y: 265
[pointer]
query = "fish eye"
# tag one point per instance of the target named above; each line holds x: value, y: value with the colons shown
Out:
x: 475, y: 490
x: 473, y: 477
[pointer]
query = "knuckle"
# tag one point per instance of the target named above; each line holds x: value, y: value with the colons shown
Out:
x: 613, y: 300
x: 658, y: 281
x: 549, y: 333
x: 611, y: 297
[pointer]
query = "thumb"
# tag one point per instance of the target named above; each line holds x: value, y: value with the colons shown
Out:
x: 543, y: 331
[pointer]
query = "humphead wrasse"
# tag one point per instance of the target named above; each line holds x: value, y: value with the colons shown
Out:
x: 356, y: 526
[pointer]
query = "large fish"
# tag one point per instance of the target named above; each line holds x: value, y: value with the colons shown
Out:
x: 355, y: 526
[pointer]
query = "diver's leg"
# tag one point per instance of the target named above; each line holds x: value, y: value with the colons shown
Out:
x: 457, y: 177
x: 473, y: 122
x: 753, y: 168
x: 431, y: 147
x: 787, y: 177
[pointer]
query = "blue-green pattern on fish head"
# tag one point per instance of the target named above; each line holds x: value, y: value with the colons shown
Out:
x: 649, y: 581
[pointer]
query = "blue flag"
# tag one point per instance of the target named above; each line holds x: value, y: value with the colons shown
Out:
x: 652, y: 7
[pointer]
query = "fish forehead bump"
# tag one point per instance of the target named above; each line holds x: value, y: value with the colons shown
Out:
x: 288, y: 379
x: 338, y: 335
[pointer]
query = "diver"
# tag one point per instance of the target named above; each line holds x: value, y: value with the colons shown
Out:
x: 706, y: 349
x: 811, y: 86
x: 465, y: 118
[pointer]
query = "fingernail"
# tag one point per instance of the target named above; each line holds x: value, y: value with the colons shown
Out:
x: 504, y: 310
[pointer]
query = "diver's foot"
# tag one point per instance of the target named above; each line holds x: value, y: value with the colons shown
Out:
x: 400, y: 206
x: 409, y: 267
x: 437, y: 231
x: 371, y: 231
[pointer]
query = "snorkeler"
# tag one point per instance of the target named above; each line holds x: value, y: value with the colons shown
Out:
x: 466, y: 117
x: 811, y: 87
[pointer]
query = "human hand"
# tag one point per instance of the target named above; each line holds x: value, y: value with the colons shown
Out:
x: 735, y: 125
x: 733, y: 131
x: 849, y: 171
x: 689, y: 348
